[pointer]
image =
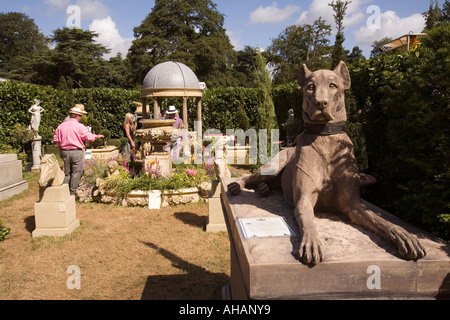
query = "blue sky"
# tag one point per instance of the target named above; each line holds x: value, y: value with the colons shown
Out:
x: 248, y: 22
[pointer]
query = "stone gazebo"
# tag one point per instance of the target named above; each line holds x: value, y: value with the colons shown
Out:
x: 171, y: 80
x: 165, y: 80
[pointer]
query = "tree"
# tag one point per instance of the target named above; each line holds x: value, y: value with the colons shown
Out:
x: 245, y: 66
x: 338, y: 53
x: 377, y: 45
x: 355, y: 55
x: 432, y: 16
x: 20, y: 39
x: 266, y: 109
x: 75, y: 56
x: 404, y: 103
x: 297, y: 45
x: 445, y: 12
x: 190, y: 32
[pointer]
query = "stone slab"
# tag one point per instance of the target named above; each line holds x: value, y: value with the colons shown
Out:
x: 11, y: 171
x: 12, y: 190
x: 8, y: 157
x: 358, y: 264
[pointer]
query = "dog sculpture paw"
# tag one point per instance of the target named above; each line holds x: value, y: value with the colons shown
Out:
x: 234, y: 188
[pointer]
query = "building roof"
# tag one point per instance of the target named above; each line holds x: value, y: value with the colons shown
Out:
x: 404, y: 43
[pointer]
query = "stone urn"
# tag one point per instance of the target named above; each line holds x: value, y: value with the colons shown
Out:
x: 157, y: 133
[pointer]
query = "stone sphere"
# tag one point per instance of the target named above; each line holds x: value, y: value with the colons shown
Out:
x: 168, y: 75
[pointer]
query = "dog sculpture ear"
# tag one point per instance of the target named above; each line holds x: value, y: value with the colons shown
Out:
x: 342, y: 71
x: 303, y: 75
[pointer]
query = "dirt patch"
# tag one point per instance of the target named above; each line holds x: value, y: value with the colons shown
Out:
x: 122, y: 253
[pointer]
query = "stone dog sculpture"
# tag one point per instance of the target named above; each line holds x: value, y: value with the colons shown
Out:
x: 321, y: 170
x: 51, y: 173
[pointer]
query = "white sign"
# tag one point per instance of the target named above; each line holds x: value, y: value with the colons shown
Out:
x: 264, y: 227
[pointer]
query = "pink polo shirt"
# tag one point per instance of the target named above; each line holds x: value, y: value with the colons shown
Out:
x: 71, y: 135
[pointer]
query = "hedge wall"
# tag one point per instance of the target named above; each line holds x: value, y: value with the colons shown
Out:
x: 109, y: 107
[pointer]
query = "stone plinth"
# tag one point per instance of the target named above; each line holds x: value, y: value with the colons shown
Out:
x: 216, y: 221
x: 358, y: 263
x: 12, y: 182
x: 159, y: 163
x: 55, y: 213
x: 167, y: 198
x: 105, y: 153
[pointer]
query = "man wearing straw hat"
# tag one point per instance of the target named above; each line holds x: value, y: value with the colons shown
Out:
x: 70, y: 137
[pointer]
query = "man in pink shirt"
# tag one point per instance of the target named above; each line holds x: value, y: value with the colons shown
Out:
x: 70, y: 137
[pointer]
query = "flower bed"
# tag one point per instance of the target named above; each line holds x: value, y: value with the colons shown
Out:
x: 118, y: 181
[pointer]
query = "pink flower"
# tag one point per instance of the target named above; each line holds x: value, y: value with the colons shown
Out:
x: 191, y: 172
x: 359, y: 111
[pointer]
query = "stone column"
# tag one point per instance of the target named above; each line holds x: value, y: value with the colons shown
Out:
x: 144, y: 109
x: 36, y: 152
x: 185, y: 113
x: 155, y: 109
x: 199, y: 119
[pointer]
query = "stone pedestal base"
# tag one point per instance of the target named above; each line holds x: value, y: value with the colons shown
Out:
x: 11, y: 182
x: 216, y: 221
x: 358, y: 264
x: 36, y: 152
x: 55, y: 214
x: 161, y: 163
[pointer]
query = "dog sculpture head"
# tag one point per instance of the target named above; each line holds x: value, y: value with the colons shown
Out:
x: 323, y: 94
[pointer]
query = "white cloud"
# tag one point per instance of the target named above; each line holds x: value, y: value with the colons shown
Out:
x: 55, y: 6
x: 272, y: 14
x: 109, y: 37
x: 92, y: 9
x: 235, y: 39
x: 89, y: 9
x: 391, y: 25
x: 320, y: 8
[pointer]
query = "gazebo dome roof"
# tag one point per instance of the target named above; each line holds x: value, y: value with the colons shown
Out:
x: 171, y: 75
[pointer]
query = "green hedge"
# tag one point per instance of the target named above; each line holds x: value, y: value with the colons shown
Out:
x: 108, y: 105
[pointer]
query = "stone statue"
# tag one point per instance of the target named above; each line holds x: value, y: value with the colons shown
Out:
x: 290, y: 116
x: 35, y: 111
x: 50, y: 171
x: 321, y: 170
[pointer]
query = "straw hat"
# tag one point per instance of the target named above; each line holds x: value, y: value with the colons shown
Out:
x: 171, y: 110
x: 78, y: 109
x: 81, y: 106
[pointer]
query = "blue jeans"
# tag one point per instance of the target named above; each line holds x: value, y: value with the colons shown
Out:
x: 73, y: 168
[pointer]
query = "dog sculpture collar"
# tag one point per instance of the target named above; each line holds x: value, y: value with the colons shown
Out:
x: 324, y: 129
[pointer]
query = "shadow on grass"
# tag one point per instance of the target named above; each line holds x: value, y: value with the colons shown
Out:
x: 192, y: 219
x: 195, y: 283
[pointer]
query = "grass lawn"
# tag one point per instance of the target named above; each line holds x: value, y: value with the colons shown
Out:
x: 122, y: 253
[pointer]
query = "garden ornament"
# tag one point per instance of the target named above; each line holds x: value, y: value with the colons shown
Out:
x: 50, y: 171
x: 320, y: 171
